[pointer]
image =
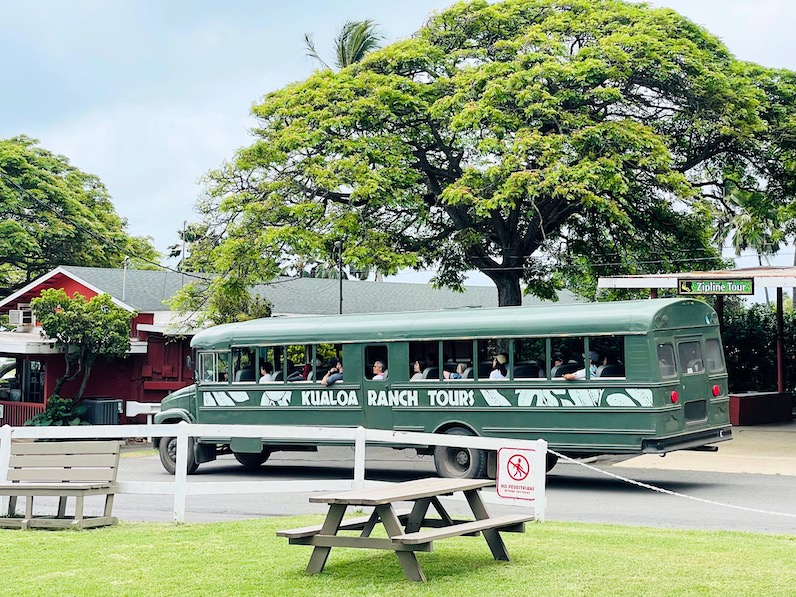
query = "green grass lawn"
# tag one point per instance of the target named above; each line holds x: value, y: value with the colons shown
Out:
x: 246, y: 558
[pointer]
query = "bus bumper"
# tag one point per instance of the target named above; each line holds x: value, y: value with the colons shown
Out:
x: 687, y: 442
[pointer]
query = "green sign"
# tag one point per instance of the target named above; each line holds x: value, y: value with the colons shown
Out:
x: 716, y: 286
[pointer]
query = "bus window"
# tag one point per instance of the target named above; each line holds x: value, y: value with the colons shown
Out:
x: 568, y: 353
x: 612, y: 355
x: 375, y: 354
x: 493, y: 355
x: 243, y: 364
x: 213, y: 366
x: 529, y: 358
x: 424, y: 360
x: 714, y: 354
x: 666, y: 360
x: 457, y: 358
x: 294, y: 362
x: 690, y: 354
x: 267, y: 367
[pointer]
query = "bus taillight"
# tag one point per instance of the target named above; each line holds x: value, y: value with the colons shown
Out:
x: 716, y: 390
x: 674, y: 397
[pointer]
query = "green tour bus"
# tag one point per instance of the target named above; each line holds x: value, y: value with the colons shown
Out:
x: 626, y: 377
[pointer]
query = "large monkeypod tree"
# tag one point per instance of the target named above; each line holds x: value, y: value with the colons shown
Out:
x: 537, y: 141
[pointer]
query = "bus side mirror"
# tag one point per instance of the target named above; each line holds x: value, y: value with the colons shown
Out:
x: 189, y: 363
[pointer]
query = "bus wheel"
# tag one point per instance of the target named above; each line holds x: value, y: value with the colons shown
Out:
x: 551, y: 461
x: 251, y: 461
x: 461, y: 463
x: 168, y: 455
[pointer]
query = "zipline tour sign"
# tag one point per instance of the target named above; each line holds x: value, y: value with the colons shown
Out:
x: 716, y: 286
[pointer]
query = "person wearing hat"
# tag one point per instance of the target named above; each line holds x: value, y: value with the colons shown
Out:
x: 594, y: 359
x: 499, y: 370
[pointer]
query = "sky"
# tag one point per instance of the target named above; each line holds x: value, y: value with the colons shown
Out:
x: 150, y: 95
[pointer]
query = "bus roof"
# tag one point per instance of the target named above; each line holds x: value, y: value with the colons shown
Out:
x: 584, y: 319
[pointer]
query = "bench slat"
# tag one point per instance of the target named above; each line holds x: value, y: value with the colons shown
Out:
x: 425, y: 536
x: 62, y: 460
x: 45, y: 475
x: 85, y: 447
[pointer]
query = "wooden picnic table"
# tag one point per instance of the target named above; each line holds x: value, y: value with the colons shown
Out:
x: 405, y: 529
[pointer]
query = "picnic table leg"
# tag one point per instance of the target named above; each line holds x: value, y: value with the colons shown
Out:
x: 417, y: 515
x: 492, y: 536
x: 330, y: 527
x: 407, y: 559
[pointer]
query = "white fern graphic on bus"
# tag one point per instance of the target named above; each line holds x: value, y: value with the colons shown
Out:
x: 633, y: 397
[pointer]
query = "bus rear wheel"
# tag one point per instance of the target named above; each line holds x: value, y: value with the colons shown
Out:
x: 251, y: 461
x: 168, y: 455
x: 461, y: 463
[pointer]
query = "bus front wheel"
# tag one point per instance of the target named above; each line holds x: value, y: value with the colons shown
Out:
x: 461, y: 463
x: 168, y: 455
x: 252, y: 461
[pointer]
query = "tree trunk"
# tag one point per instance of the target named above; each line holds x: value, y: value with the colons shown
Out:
x: 508, y: 287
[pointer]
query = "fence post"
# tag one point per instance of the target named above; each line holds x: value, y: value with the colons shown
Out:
x: 360, y: 446
x: 5, y: 457
x: 181, y: 472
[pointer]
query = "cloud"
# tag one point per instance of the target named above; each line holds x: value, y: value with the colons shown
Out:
x: 151, y: 157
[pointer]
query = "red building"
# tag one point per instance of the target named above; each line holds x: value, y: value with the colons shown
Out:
x: 156, y: 364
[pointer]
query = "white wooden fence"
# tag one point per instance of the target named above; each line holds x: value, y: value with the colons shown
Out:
x: 359, y: 437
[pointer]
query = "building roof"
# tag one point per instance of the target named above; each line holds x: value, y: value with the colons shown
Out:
x: 147, y: 291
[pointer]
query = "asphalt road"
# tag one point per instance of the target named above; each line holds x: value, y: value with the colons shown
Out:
x: 720, y: 501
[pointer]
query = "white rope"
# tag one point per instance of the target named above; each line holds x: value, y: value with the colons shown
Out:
x: 668, y: 491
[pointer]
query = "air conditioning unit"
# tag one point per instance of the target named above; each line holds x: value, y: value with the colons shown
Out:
x: 20, y: 317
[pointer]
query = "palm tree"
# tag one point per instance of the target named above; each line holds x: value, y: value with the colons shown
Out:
x: 749, y: 222
x: 353, y: 42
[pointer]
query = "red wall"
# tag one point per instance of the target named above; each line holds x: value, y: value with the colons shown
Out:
x: 143, y: 378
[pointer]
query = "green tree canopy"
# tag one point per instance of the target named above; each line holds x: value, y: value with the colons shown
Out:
x: 84, y: 330
x: 53, y: 214
x: 534, y: 140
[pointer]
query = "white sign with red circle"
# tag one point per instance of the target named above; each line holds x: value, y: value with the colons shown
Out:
x: 514, y: 479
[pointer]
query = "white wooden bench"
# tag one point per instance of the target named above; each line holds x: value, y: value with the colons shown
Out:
x: 62, y: 469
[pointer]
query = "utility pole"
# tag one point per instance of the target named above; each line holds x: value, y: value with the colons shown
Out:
x: 338, y: 246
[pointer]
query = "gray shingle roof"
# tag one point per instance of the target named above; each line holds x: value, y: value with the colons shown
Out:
x: 146, y: 291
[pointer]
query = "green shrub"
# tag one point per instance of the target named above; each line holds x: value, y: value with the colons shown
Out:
x: 59, y: 411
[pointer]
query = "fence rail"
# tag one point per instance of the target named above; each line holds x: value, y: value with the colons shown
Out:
x: 359, y: 437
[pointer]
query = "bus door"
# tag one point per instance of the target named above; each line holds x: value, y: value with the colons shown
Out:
x: 694, y: 384
x: 377, y: 399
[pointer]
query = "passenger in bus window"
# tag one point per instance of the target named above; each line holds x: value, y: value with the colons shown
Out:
x: 499, y: 370
x: 378, y: 371
x: 594, y: 359
x: 334, y: 374
x: 417, y: 370
x: 459, y: 373
x: 266, y: 372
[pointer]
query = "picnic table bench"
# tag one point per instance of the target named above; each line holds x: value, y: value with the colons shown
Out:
x: 63, y: 469
x: 408, y: 531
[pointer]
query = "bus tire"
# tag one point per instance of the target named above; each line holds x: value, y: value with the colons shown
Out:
x: 460, y: 463
x: 251, y: 462
x: 168, y: 455
x: 550, y: 462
